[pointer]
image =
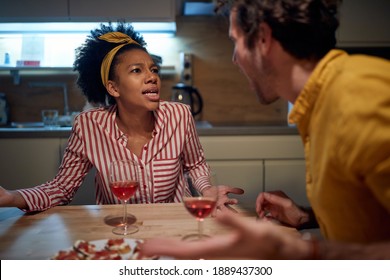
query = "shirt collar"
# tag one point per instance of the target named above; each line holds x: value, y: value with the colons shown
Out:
x: 303, y: 106
x: 159, y: 115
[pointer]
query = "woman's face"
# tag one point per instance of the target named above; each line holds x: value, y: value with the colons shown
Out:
x: 137, y: 82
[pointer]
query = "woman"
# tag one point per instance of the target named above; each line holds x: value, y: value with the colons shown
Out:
x: 117, y: 73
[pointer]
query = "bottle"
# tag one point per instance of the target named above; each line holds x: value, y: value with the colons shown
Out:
x: 4, y: 110
x: 7, y: 59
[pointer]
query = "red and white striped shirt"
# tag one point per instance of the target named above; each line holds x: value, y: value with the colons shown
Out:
x: 96, y: 141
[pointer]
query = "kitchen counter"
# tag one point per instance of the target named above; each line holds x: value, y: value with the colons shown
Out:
x: 227, y: 129
x: 204, y: 128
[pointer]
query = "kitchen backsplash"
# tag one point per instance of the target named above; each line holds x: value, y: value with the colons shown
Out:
x: 225, y: 91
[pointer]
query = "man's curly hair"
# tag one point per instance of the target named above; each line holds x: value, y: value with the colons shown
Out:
x: 305, y: 28
x: 89, y: 57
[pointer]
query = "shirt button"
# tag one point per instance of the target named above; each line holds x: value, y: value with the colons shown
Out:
x: 145, y: 148
x: 141, y: 167
x: 144, y: 186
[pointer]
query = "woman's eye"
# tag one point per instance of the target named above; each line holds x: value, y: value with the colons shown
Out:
x: 155, y: 70
x: 136, y: 70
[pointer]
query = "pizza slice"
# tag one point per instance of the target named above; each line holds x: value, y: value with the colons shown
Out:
x: 84, y: 248
x: 118, y: 245
x: 66, y: 255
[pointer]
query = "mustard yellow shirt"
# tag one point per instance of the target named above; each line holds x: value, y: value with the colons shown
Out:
x: 343, y: 117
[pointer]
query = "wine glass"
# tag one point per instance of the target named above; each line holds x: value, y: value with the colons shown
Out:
x: 201, y: 206
x: 124, y: 181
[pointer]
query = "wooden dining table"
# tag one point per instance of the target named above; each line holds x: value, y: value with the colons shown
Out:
x: 41, y: 235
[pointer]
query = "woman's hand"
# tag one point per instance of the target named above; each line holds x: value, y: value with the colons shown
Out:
x: 11, y: 199
x: 278, y: 206
x: 224, y: 201
x: 6, y: 197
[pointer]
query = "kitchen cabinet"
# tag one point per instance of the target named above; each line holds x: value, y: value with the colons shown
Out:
x: 287, y: 175
x: 253, y: 162
x: 132, y: 10
x: 34, y: 11
x: 87, y: 10
x: 258, y: 163
x: 86, y: 192
x: 364, y: 23
x: 245, y: 174
x: 28, y: 162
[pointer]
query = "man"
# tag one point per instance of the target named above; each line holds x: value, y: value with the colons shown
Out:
x: 342, y: 111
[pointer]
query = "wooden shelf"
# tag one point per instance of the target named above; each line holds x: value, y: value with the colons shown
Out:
x: 16, y: 72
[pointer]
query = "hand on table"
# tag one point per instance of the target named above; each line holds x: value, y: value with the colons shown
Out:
x: 11, y: 199
x: 5, y: 197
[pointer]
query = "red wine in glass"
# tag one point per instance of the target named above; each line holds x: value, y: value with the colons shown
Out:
x: 123, y: 190
x: 124, y: 182
x: 199, y: 207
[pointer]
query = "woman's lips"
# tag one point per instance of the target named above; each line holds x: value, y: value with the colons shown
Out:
x: 152, y: 95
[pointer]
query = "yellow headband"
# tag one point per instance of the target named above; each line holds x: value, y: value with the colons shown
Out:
x: 113, y: 37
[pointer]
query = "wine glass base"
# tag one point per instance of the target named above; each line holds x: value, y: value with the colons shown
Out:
x: 129, y: 229
x: 116, y: 221
x: 195, y: 237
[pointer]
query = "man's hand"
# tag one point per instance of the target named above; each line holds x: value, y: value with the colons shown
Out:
x: 278, y: 206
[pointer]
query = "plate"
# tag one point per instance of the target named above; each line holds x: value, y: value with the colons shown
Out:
x: 100, y: 245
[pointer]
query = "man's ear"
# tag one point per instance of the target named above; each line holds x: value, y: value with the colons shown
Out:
x: 112, y: 89
x: 265, y: 37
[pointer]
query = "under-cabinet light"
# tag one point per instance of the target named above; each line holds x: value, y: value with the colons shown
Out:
x: 163, y: 28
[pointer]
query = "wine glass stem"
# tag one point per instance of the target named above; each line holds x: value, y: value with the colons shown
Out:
x: 125, y: 213
x: 200, y: 228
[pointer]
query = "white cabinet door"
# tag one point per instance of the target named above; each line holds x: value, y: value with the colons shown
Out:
x: 85, y: 195
x: 288, y: 176
x: 130, y: 10
x: 246, y: 174
x: 364, y: 23
x: 28, y: 162
x: 252, y: 147
x: 34, y: 11
x: 239, y: 160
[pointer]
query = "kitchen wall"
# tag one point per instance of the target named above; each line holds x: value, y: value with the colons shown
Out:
x: 226, y: 93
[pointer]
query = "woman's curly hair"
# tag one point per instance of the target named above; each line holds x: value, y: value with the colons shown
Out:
x: 89, y: 57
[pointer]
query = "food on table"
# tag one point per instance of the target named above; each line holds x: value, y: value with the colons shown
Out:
x: 118, y: 245
x: 66, y: 255
x: 110, y: 249
x: 84, y: 248
x: 105, y: 255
